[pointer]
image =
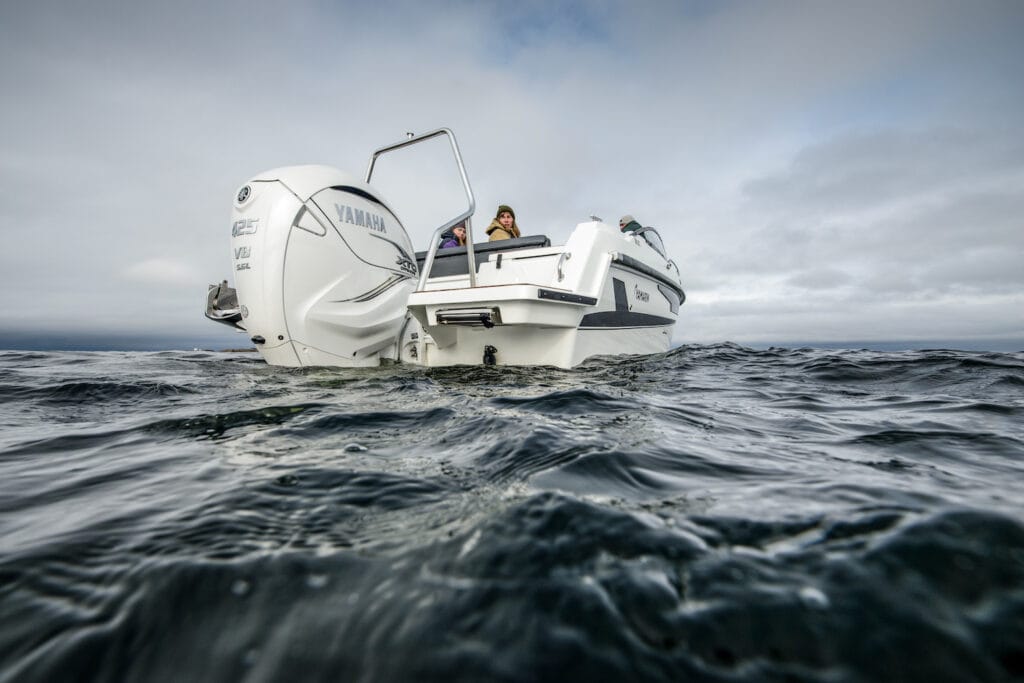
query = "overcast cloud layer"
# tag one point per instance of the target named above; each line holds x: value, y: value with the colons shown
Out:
x: 820, y: 171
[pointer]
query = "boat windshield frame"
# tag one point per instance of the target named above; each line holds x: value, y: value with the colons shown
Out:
x: 653, y: 239
x: 464, y: 217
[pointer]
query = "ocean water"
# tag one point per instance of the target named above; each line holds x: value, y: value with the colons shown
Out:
x: 716, y: 513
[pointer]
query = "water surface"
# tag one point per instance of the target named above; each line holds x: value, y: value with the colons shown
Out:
x: 711, y: 514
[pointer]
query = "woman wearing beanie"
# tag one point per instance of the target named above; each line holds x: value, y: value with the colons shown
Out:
x: 456, y: 237
x: 503, y: 226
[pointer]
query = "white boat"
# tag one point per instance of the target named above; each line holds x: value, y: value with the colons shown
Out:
x: 326, y: 275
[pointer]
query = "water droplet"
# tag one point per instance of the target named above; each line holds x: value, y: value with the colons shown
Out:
x: 355, y: 448
x: 240, y: 587
x: 316, y: 580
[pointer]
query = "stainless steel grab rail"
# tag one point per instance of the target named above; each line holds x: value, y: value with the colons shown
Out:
x: 466, y: 216
x: 566, y: 255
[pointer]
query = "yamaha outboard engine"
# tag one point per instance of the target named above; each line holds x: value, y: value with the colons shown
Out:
x: 322, y: 268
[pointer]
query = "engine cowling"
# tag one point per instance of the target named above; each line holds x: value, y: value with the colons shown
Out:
x: 322, y: 266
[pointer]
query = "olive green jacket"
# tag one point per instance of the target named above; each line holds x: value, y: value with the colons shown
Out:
x: 497, y: 232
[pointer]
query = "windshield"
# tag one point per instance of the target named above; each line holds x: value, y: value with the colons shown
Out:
x: 652, y: 238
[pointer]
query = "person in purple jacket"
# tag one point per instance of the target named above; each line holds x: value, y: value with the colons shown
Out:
x: 454, y: 238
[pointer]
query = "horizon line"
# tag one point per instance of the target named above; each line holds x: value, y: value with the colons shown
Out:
x: 71, y: 340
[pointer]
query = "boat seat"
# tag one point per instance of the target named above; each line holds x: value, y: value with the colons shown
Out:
x: 453, y: 261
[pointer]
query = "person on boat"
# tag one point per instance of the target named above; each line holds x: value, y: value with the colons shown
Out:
x: 456, y: 237
x: 503, y: 226
x: 628, y: 224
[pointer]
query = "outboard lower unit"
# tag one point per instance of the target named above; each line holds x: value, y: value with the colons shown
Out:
x: 322, y: 268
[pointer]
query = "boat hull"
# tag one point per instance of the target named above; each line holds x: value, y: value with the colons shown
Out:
x: 602, y: 293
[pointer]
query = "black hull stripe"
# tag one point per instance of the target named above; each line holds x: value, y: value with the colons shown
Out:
x: 610, y: 328
x: 624, y: 319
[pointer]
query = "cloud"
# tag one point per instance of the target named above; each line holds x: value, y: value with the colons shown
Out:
x: 866, y: 170
x: 162, y: 271
x: 835, y: 153
x: 820, y: 279
x: 894, y: 211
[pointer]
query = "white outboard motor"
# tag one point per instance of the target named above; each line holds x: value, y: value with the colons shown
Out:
x: 323, y: 268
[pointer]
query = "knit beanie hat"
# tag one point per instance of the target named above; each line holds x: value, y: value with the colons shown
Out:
x: 626, y: 220
x: 503, y: 208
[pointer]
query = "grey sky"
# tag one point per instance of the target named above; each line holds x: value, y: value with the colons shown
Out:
x: 820, y: 171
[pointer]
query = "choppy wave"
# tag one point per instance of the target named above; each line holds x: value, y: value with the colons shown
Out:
x: 715, y: 513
